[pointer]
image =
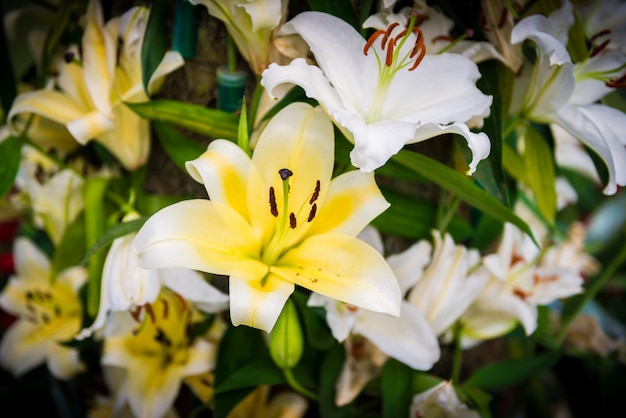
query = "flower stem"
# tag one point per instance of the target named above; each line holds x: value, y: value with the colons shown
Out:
x: 254, y: 106
x: 458, y: 353
x: 231, y: 50
x: 295, y: 385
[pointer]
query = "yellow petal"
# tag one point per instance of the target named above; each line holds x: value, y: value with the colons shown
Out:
x: 49, y: 104
x: 257, y: 305
x: 200, y: 235
x: 352, y: 202
x: 223, y: 169
x: 344, y: 268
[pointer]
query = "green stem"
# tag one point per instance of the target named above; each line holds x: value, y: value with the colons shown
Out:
x: 444, y: 222
x: 231, y: 50
x: 254, y: 106
x: 295, y: 385
x: 589, y: 293
x: 458, y: 353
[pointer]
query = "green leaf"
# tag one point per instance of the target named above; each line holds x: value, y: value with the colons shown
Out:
x: 8, y: 86
x: 210, y: 122
x: 243, y: 138
x: 93, y: 196
x: 331, y: 367
x: 116, y: 231
x: 497, y: 376
x: 540, y: 171
x: 243, y: 362
x: 71, y: 248
x: 476, y: 399
x: 423, y: 381
x: 155, y: 41
x: 543, y: 333
x: 178, y: 147
x: 343, y: 9
x: 414, y: 218
x: 460, y: 186
x: 514, y: 164
x: 396, y: 389
x: 318, y: 334
x: 11, y: 152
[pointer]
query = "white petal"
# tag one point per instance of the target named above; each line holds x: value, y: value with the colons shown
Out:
x: 407, y: 338
x: 371, y: 236
x: 409, y: 264
x: 31, y: 264
x: 192, y: 286
x: 21, y: 350
x: 89, y: 126
x: 64, y: 362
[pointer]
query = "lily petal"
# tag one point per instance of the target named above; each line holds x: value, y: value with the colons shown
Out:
x: 173, y: 237
x: 407, y: 338
x: 23, y: 347
x: 49, y: 104
x: 192, y: 286
x: 89, y: 126
x: 223, y: 169
x: 31, y: 263
x: 258, y: 305
x: 352, y: 202
x: 409, y: 264
x: 344, y: 268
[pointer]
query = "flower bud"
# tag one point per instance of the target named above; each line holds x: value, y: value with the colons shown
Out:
x: 286, y: 338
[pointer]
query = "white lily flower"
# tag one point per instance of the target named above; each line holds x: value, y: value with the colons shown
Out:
x: 251, y: 24
x: 604, y: 20
x: 157, y: 356
x: 440, y: 401
x: 270, y: 228
x: 518, y: 283
x: 556, y: 91
x: 449, y: 284
x: 126, y: 285
x: 407, y: 338
x: 48, y: 314
x: 435, y: 27
x: 92, y: 88
x: 497, y: 26
x: 383, y: 95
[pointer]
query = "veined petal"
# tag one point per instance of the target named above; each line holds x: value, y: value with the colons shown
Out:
x: 257, y: 305
x: 223, y: 169
x: 192, y: 286
x: 344, y: 268
x: 599, y: 127
x: 407, y: 338
x: 200, y: 235
x: 352, y: 202
x: 49, y: 104
x: 338, y: 49
x: 89, y: 126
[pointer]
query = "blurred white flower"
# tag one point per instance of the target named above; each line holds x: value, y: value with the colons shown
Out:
x: 440, y: 401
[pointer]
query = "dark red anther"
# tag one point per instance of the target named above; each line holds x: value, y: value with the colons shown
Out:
x: 150, y: 312
x: 599, y: 34
x: 316, y: 193
x: 165, y: 308
x: 273, y: 206
x: 505, y: 13
x: 618, y: 83
x: 595, y: 51
x: 292, y: 221
x: 371, y: 40
x: 443, y: 38
x: 389, y: 56
x: 312, y: 212
x: 391, y: 27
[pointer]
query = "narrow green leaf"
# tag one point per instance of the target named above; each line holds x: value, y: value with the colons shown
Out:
x: 497, y: 376
x: 116, y: 231
x: 8, y: 86
x: 71, y: 248
x: 329, y: 373
x: 460, y: 186
x: 250, y: 375
x: 178, y: 147
x: 210, y: 122
x: 243, y: 138
x: 577, y: 41
x: 11, y: 151
x: 544, y: 334
x: 514, y: 164
x: 343, y: 9
x: 155, y: 41
x: 540, y: 171
x: 396, y: 383
x: 318, y: 334
x: 93, y: 196
x: 476, y: 399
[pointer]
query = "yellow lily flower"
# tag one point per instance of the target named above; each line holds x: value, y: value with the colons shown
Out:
x: 156, y: 356
x: 275, y: 221
x: 47, y: 315
x: 92, y: 87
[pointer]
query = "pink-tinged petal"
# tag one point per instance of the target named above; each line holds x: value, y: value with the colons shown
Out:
x: 407, y: 338
x: 409, y: 264
x: 99, y: 57
x: 352, y: 202
x: 23, y: 347
x: 601, y: 128
x: 49, y: 104
x: 89, y: 126
x: 200, y: 235
x: 257, y: 305
x: 344, y: 268
x: 194, y: 288
x: 223, y: 169
x: 338, y: 49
